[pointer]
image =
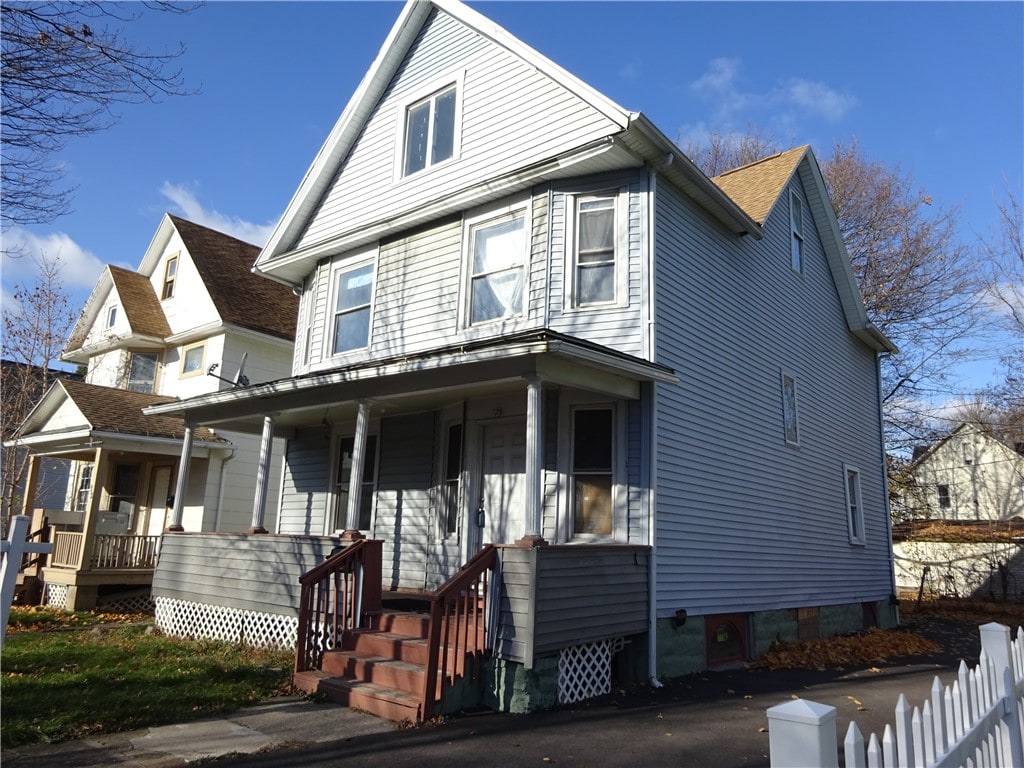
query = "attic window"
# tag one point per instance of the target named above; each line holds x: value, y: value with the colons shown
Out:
x: 430, y: 130
x: 192, y: 360
x: 111, y: 316
x: 796, y: 220
x: 170, y: 276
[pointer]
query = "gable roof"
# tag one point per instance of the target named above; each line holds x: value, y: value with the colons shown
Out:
x: 111, y: 411
x: 141, y: 306
x: 758, y: 187
x: 631, y: 130
x: 925, y: 453
x: 241, y: 297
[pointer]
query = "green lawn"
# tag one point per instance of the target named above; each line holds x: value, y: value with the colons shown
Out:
x: 65, y: 677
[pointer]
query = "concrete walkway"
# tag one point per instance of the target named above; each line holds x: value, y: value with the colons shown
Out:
x: 710, y: 719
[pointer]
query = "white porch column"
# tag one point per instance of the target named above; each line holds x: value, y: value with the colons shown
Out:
x: 533, y: 503
x: 182, y: 482
x: 355, y: 478
x: 259, y: 502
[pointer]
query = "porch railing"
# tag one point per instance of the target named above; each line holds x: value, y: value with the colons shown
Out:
x: 337, y: 596
x: 110, y: 551
x: 459, y: 631
x: 33, y: 562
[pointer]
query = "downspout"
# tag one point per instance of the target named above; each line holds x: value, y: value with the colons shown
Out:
x: 652, y: 496
x: 885, y: 485
x: 220, y: 489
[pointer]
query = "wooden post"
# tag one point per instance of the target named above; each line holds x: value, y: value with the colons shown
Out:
x: 802, y: 732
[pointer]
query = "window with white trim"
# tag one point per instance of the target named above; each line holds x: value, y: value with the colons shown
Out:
x: 111, y: 316
x: 594, y: 252
x: 353, y: 291
x: 854, y: 506
x: 142, y: 369
x: 170, y: 277
x: 451, y: 483
x: 790, y: 419
x: 192, y: 360
x: 591, y: 481
x: 796, y: 221
x: 497, y: 266
x: 430, y: 130
x: 82, y: 489
x: 344, y: 476
x: 945, y: 500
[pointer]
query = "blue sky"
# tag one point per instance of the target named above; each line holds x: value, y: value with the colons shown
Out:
x: 935, y: 88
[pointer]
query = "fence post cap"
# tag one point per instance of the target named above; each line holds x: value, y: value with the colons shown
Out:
x: 802, y: 711
x: 994, y: 626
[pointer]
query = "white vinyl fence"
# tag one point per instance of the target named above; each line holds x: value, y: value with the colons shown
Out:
x: 11, y: 552
x: 977, y: 722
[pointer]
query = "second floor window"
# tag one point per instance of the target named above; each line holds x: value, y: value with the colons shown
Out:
x: 352, y: 295
x: 142, y: 371
x: 192, y: 360
x: 498, y: 268
x: 170, y: 276
x: 945, y: 501
x: 430, y: 131
x: 595, y: 250
x: 790, y: 421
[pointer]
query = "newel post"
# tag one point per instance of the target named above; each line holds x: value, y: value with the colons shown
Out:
x: 802, y: 732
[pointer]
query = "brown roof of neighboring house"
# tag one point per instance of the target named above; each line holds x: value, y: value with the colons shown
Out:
x: 756, y: 187
x: 140, y: 303
x: 119, y: 410
x: 241, y: 297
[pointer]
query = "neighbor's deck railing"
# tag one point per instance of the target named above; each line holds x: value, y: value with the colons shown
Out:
x: 459, y: 629
x: 110, y: 551
x: 336, y: 596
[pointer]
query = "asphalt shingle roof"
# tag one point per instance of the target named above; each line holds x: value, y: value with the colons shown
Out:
x: 756, y: 187
x: 141, y: 306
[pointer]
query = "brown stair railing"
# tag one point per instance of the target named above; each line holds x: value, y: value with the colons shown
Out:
x: 336, y: 596
x: 36, y: 560
x: 459, y: 629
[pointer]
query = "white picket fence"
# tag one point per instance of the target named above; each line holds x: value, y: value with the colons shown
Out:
x: 11, y: 550
x: 978, y: 721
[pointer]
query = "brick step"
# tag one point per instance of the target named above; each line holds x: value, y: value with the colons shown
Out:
x: 379, y: 700
x: 380, y: 670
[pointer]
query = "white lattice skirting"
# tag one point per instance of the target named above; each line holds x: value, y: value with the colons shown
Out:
x: 585, y: 671
x: 181, y: 618
x: 56, y: 596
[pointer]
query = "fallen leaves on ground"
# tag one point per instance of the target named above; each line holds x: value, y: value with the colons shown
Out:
x: 845, y: 650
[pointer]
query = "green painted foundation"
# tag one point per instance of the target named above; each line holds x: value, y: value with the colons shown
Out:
x: 516, y: 689
x: 771, y: 627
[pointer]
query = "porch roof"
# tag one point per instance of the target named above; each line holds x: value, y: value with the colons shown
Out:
x: 424, y: 380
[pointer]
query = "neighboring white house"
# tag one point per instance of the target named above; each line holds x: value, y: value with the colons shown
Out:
x: 179, y: 326
x: 528, y: 319
x: 968, y: 475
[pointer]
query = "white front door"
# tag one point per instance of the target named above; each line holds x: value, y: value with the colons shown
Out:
x: 503, y: 483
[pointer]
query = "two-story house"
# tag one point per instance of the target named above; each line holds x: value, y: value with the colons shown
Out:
x: 968, y: 475
x: 528, y: 320
x: 181, y: 325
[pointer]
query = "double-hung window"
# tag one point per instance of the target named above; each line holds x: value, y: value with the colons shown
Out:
x: 796, y: 222
x: 591, y: 482
x: 353, y: 290
x: 452, y: 480
x: 854, y: 507
x: 170, y: 277
x: 594, y: 254
x: 82, y: 490
x: 142, y: 371
x: 498, y: 250
x: 430, y: 130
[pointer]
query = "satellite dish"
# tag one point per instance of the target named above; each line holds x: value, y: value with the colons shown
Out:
x: 240, y: 380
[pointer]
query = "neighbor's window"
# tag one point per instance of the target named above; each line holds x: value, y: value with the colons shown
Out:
x: 82, y: 489
x: 595, y: 250
x: 142, y: 371
x: 591, y: 481
x: 170, y: 276
x: 789, y: 412
x: 352, y: 294
x: 345, y: 448
x: 498, y: 267
x: 111, y: 316
x: 192, y: 360
x: 944, y: 499
x: 430, y: 131
x: 796, y: 220
x: 855, y: 510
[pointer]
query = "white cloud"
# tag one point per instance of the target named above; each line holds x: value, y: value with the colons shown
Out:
x: 631, y: 70
x: 189, y: 207
x: 784, y: 104
x: 22, y: 249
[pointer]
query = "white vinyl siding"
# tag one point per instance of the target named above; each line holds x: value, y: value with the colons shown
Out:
x: 304, y: 495
x: 770, y: 523
x: 502, y: 102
